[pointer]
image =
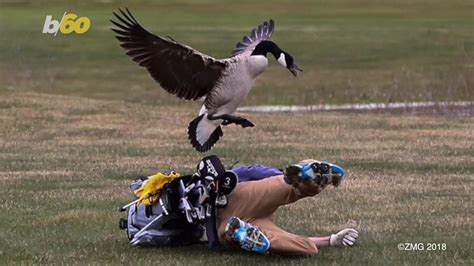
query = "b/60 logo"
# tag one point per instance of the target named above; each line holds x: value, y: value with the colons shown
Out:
x: 69, y: 23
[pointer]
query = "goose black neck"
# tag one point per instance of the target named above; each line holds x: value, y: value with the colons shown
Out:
x: 265, y: 47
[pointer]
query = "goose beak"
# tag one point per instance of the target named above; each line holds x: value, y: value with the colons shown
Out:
x: 294, y: 69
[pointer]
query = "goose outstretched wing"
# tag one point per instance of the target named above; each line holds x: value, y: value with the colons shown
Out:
x: 262, y: 32
x: 179, y: 69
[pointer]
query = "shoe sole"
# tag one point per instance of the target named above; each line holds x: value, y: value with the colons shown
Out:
x: 253, y: 238
x: 325, y: 174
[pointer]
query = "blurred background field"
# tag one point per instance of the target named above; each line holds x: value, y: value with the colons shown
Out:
x: 79, y: 119
x: 351, y: 51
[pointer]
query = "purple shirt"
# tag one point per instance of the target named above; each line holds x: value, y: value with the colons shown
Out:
x: 255, y: 172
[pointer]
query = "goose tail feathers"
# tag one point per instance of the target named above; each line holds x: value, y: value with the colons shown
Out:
x: 204, y: 133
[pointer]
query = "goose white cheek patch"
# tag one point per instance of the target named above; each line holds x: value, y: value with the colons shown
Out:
x: 282, y: 59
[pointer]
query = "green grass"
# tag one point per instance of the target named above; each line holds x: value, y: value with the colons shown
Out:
x: 66, y: 163
x: 351, y: 51
x: 79, y: 120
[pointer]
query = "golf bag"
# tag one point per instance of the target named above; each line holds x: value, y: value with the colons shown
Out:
x: 182, y: 211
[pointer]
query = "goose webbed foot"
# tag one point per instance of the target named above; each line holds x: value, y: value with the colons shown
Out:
x: 243, y: 122
x: 230, y: 119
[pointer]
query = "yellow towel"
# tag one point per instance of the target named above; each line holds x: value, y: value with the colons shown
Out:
x: 149, y: 193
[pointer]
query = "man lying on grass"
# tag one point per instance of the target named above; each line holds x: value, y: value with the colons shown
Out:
x: 232, y: 209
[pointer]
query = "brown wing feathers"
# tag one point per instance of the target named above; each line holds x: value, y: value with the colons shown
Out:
x: 179, y: 69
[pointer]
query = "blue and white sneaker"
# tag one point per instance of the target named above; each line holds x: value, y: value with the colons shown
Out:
x: 246, y: 235
x: 323, y: 173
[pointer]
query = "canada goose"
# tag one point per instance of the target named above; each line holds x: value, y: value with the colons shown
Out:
x: 189, y: 74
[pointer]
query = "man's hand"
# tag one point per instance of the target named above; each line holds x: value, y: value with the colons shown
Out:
x: 346, y: 237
